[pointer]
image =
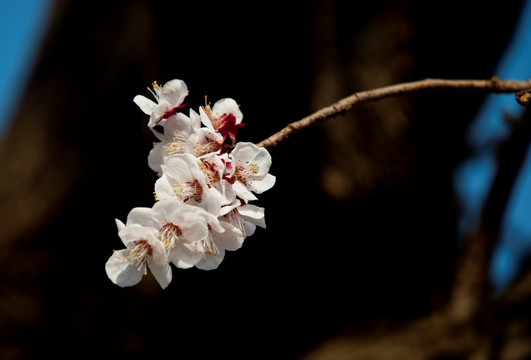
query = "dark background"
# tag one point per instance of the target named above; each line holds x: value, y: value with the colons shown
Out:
x: 361, y: 233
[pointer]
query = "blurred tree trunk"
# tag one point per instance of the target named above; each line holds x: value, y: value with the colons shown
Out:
x: 62, y: 141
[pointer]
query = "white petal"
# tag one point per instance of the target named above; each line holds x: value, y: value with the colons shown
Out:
x: 141, y: 216
x: 120, y: 271
x: 157, y: 114
x: 211, y: 261
x: 253, y: 214
x: 194, y: 229
x: 212, y: 221
x: 163, y: 188
x: 162, y: 273
x: 156, y: 158
x: 159, y: 255
x: 195, y: 119
x: 249, y: 228
x: 205, y: 119
x: 179, y: 122
x: 243, y: 192
x: 166, y: 210
x: 135, y: 232
x: 183, y: 168
x: 227, y: 191
x: 232, y: 239
x: 158, y: 263
x: 264, y: 184
x: 185, y: 256
x: 145, y: 104
x: 228, y: 106
x: 246, y: 151
x: 228, y: 208
x: 211, y: 201
x: 174, y: 92
x: 119, y: 224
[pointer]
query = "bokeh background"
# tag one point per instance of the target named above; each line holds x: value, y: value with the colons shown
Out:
x: 365, y: 223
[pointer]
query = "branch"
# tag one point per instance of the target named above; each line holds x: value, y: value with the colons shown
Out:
x: 493, y: 85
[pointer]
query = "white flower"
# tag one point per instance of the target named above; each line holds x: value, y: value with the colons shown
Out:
x: 183, y: 179
x: 169, y: 98
x: 174, y: 140
x: 238, y: 221
x: 250, y: 170
x: 143, y: 249
x: 245, y: 218
x: 181, y: 135
x: 204, y: 141
x: 202, y: 191
x: 214, y: 246
x: 225, y: 118
x: 181, y: 228
x: 213, y: 166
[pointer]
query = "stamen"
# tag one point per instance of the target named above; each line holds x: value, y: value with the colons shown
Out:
x: 170, y: 235
x: 140, y: 252
x: 177, y: 145
x: 155, y: 91
x: 210, y: 171
x: 210, y: 246
x: 244, y: 173
x: 202, y: 148
x: 237, y: 221
x: 186, y: 191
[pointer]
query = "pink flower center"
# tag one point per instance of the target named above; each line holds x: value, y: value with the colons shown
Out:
x: 226, y: 126
x: 170, y: 112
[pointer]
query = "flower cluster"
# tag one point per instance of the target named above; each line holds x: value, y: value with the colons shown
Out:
x: 202, y: 194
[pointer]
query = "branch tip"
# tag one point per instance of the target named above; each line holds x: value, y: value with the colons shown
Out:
x: 523, y: 97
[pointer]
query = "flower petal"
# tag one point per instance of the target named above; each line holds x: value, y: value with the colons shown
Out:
x: 243, y: 191
x: 211, y: 201
x: 174, y: 92
x: 182, y: 167
x: 232, y: 239
x: 163, y: 188
x: 211, y: 261
x: 119, y: 225
x: 253, y: 214
x: 264, y: 184
x: 248, y: 153
x: 195, y: 119
x: 135, y: 232
x: 180, y: 122
x: 249, y: 228
x: 141, y: 216
x: 205, y: 119
x: 120, y: 271
x: 156, y: 158
x: 157, y: 114
x: 227, y: 106
x: 184, y: 256
x: 145, y: 104
x: 162, y: 273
